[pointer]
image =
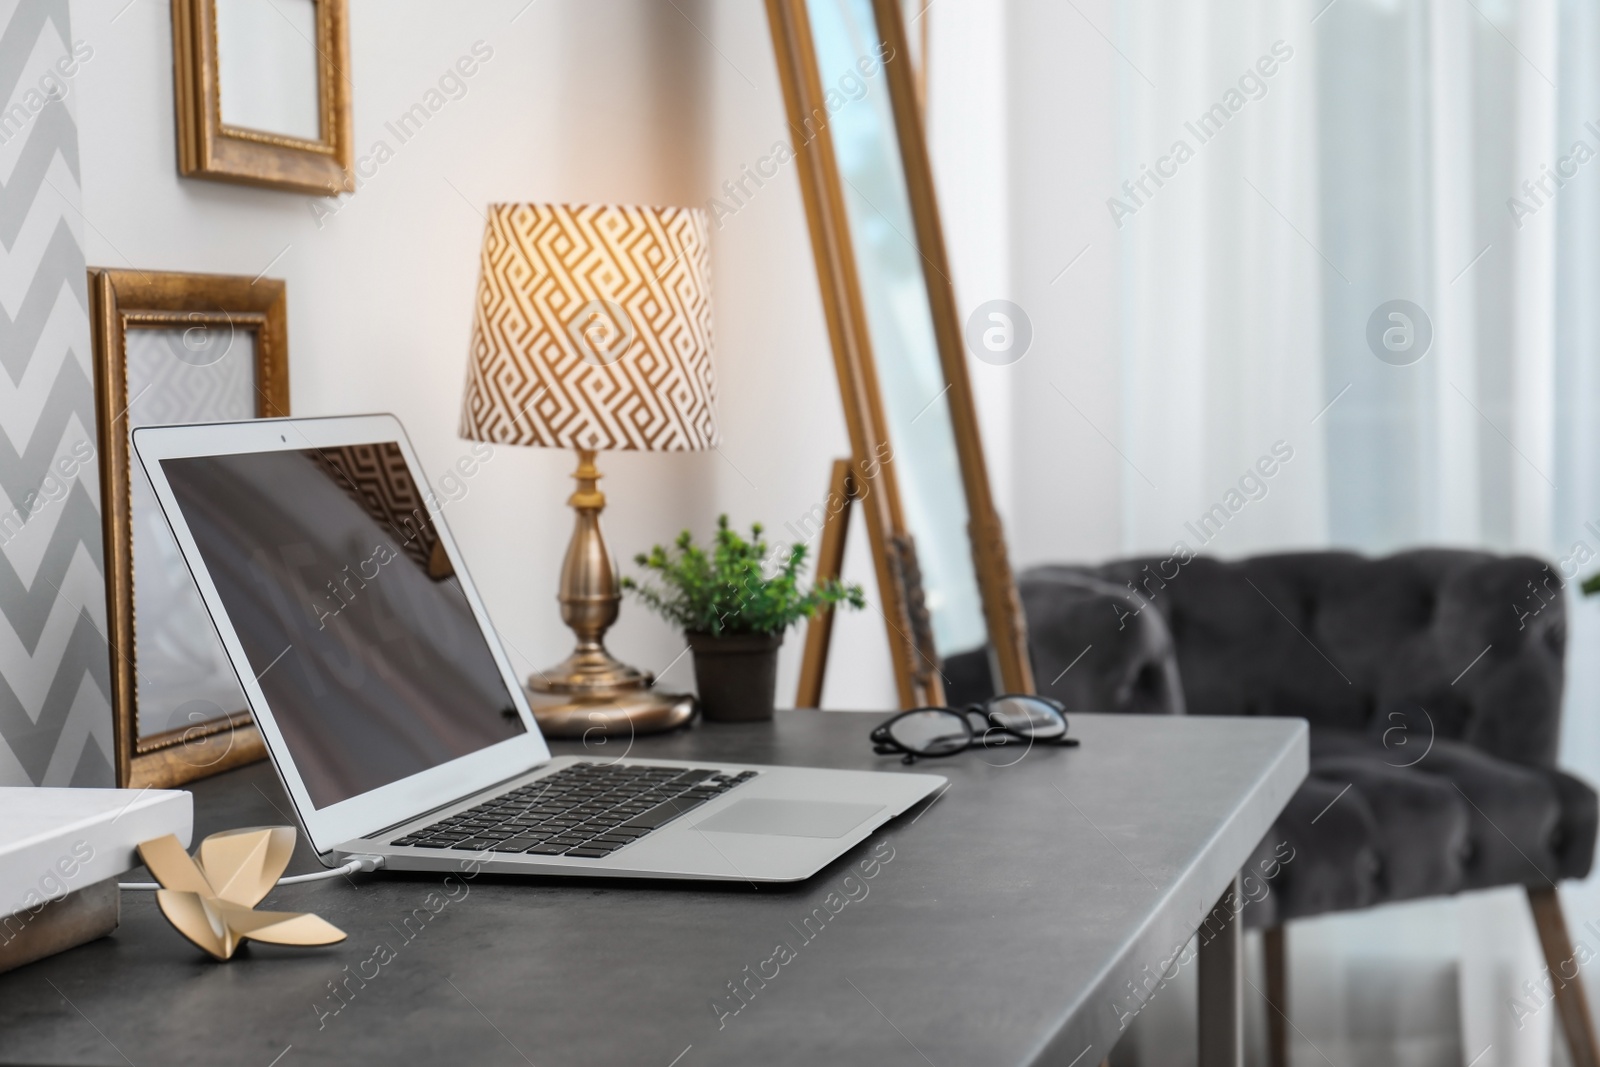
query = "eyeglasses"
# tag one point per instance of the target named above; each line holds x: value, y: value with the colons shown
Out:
x: 923, y: 733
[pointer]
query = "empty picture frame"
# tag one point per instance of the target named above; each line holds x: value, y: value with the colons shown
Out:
x: 173, y: 348
x: 263, y: 93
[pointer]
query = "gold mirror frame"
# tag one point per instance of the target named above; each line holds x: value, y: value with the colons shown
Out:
x: 209, y: 148
x: 910, y: 640
x: 119, y: 299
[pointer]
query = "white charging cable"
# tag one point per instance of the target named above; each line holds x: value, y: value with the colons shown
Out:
x: 357, y: 863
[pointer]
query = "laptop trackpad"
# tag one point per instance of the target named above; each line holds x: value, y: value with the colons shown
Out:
x: 790, y: 818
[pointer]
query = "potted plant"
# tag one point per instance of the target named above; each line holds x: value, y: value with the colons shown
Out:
x: 734, y: 605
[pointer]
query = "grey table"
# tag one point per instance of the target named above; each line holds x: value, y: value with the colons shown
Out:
x: 1000, y: 924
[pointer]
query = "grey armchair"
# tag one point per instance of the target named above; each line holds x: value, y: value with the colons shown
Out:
x: 1432, y: 681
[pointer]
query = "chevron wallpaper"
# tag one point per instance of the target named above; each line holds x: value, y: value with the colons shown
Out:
x: 55, y: 709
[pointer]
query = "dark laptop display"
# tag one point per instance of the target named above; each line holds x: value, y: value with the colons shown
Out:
x: 348, y: 609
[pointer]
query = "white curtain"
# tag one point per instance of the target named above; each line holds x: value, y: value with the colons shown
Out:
x: 1218, y: 221
x: 1384, y: 159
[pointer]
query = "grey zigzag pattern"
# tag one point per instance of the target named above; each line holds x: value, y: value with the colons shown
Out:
x: 20, y: 36
x: 34, y: 736
x: 51, y: 134
x: 61, y: 264
x: 23, y: 473
x: 34, y: 743
x: 27, y: 607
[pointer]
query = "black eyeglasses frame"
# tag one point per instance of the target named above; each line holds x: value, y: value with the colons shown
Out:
x: 995, y: 733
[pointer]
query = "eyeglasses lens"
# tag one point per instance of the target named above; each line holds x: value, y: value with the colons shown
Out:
x: 1030, y: 718
x: 931, y: 732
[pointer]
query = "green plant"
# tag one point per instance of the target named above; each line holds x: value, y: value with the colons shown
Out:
x: 725, y: 588
x: 1591, y: 585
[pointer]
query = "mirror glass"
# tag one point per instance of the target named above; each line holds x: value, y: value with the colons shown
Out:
x: 203, y: 373
x: 267, y: 74
x: 899, y: 319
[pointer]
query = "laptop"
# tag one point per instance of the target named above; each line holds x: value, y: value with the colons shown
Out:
x: 390, y: 710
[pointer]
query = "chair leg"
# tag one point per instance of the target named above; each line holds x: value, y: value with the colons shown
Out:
x: 1559, y: 957
x: 1275, y: 950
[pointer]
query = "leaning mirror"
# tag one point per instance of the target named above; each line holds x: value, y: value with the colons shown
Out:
x: 945, y: 580
x: 174, y: 348
x: 263, y: 92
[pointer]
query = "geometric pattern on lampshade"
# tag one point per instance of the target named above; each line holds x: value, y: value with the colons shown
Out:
x: 593, y: 329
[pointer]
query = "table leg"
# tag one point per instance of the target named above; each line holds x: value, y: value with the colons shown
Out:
x: 1222, y: 983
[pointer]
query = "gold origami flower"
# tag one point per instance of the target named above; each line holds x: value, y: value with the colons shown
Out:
x: 211, y: 899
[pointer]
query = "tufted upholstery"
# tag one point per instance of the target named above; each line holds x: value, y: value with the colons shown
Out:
x: 1432, y: 681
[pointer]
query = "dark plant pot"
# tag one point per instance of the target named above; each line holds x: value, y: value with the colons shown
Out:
x: 737, y: 675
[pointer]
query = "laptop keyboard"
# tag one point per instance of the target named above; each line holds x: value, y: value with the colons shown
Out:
x: 587, y: 810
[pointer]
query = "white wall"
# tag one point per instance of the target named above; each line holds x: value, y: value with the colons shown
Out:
x: 603, y: 101
x: 1065, y: 259
x: 640, y: 101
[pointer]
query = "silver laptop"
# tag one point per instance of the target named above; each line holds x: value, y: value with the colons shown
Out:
x: 389, y: 708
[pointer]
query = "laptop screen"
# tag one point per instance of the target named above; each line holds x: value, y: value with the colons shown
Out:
x: 348, y: 610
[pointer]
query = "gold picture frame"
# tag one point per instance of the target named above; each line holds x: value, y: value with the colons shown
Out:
x: 230, y: 337
x: 210, y: 148
x: 873, y: 476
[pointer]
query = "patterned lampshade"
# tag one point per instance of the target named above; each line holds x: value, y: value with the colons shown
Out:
x: 593, y: 329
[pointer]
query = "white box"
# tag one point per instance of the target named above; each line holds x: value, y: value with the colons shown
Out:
x: 53, y: 841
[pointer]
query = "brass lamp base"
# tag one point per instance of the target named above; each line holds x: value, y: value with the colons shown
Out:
x: 591, y: 693
x: 641, y: 711
x: 590, y: 671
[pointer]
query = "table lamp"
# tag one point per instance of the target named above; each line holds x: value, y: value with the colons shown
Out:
x: 593, y: 331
